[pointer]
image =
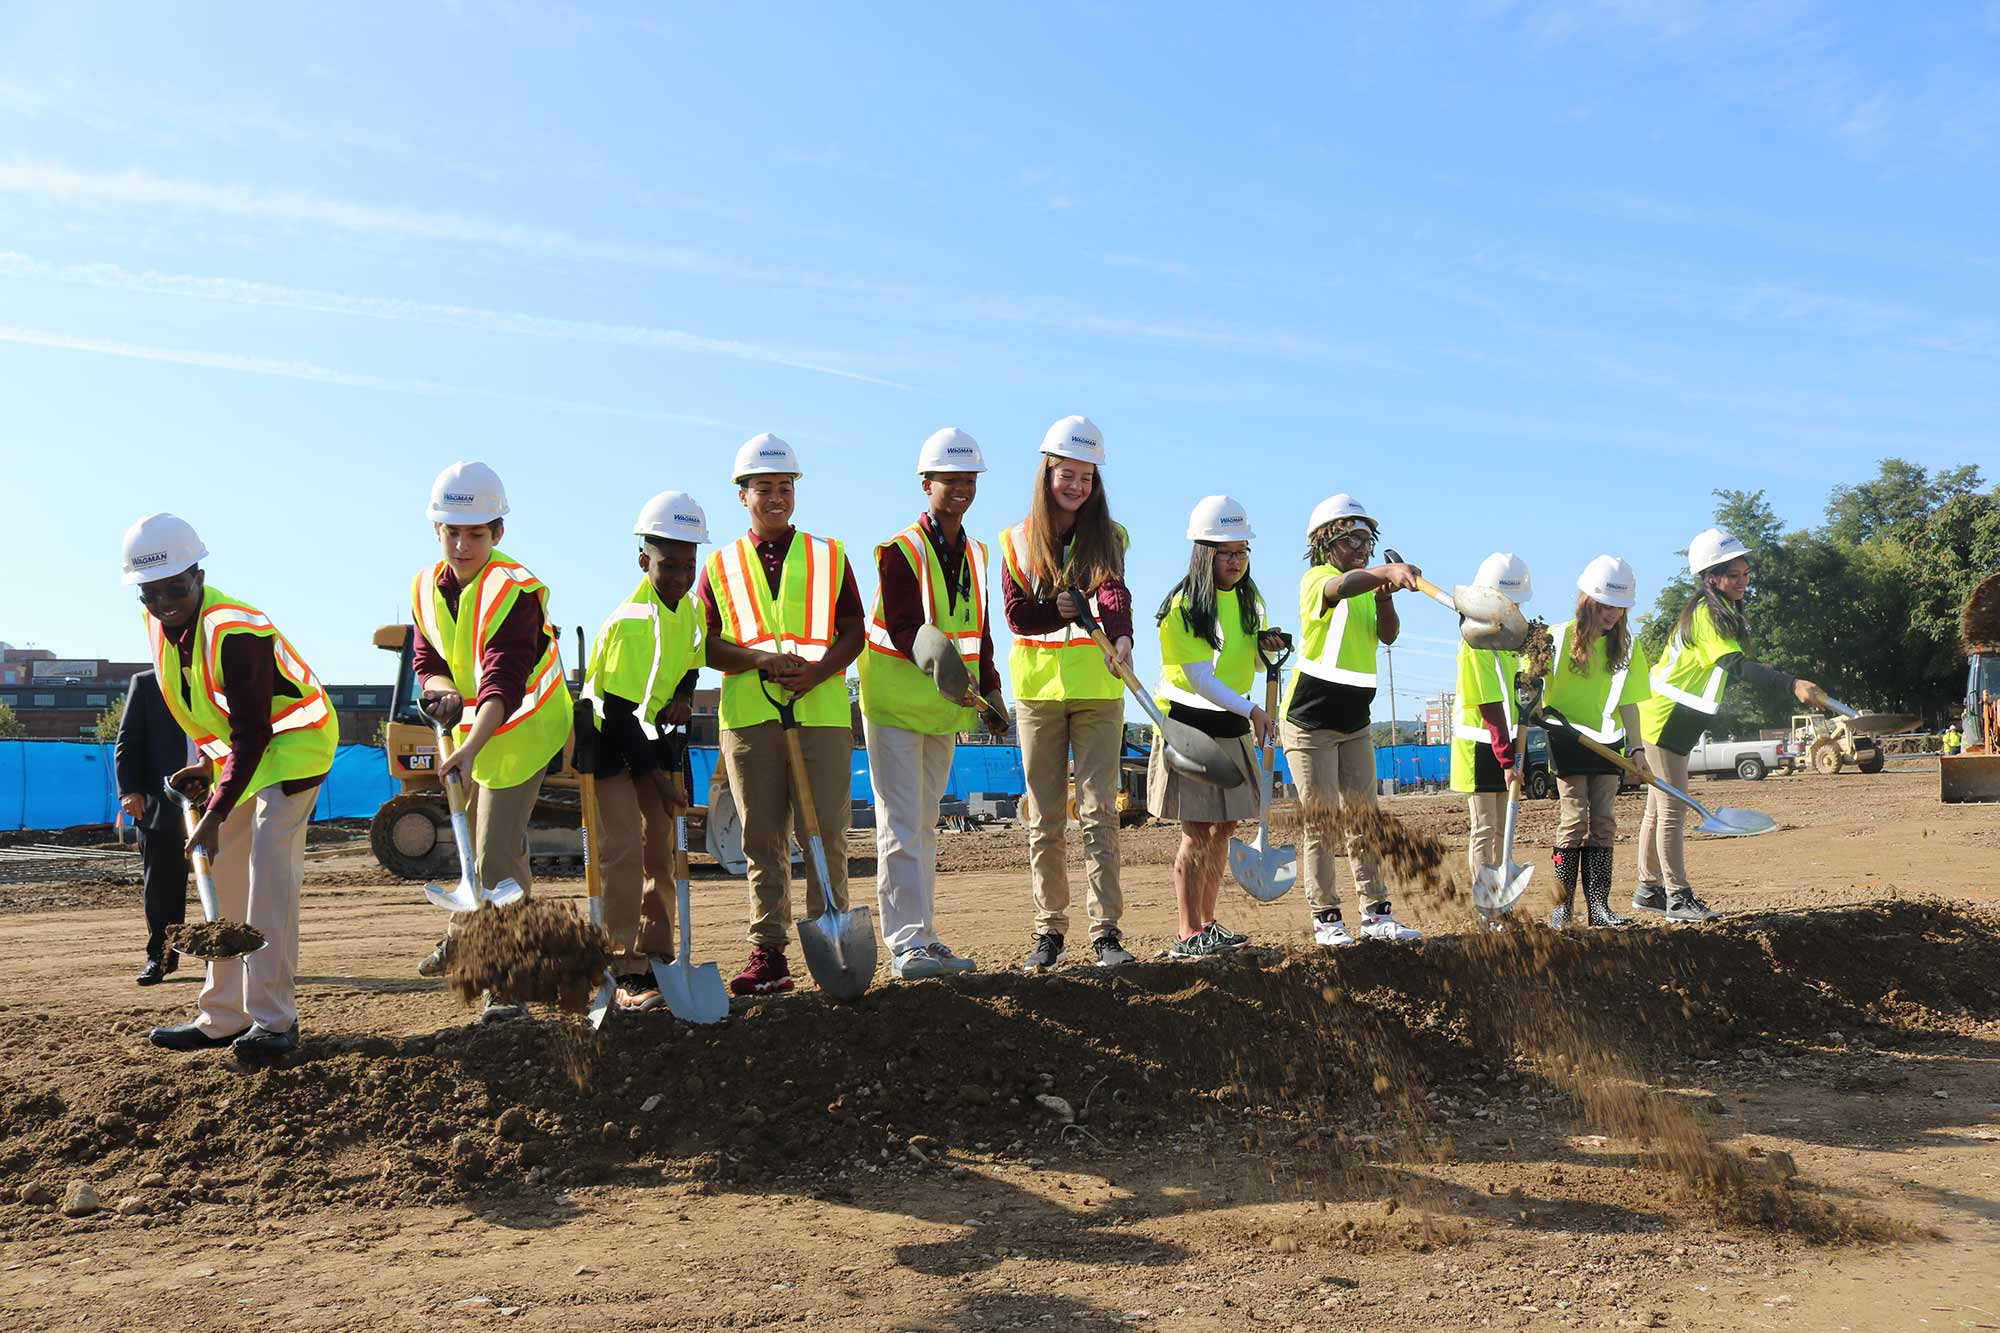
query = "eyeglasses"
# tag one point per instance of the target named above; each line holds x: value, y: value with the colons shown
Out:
x: 165, y: 590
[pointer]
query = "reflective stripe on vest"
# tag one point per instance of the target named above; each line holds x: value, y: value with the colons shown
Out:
x: 627, y: 611
x: 1013, y: 542
x: 1609, y: 731
x: 917, y: 547
x: 1326, y: 667
x: 744, y: 595
x: 1705, y: 702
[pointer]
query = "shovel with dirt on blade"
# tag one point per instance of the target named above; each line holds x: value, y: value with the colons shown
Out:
x: 1189, y: 752
x: 466, y: 895
x: 1487, y: 617
x: 204, y: 881
x: 839, y: 943
x: 1265, y: 872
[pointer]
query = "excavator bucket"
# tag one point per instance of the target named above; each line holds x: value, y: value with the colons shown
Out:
x: 1969, y: 779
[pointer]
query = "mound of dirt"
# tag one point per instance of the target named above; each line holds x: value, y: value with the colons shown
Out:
x: 536, y: 951
x: 214, y: 939
x: 1328, y: 1061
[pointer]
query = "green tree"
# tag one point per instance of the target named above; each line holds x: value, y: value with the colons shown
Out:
x: 108, y: 720
x: 10, y: 724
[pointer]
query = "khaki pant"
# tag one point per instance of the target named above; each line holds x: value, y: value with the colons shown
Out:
x: 634, y: 848
x: 910, y: 771
x: 1334, y: 770
x: 1093, y: 731
x: 496, y: 821
x: 260, y: 862
x: 760, y: 780
x: 1662, y: 859
x: 1488, y: 811
x: 1589, y: 810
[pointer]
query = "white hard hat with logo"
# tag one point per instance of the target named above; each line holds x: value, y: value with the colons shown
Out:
x: 1075, y: 437
x: 1609, y: 579
x: 1336, y: 508
x: 1716, y: 546
x: 467, y: 494
x: 763, y: 455
x: 672, y: 515
x: 1506, y: 573
x: 950, y: 450
x: 160, y: 546
x: 1217, y: 518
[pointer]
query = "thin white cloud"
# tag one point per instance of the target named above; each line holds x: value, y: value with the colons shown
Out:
x: 1061, y: 202
x: 241, y: 292
x: 143, y: 188
x: 281, y: 368
x: 1166, y: 268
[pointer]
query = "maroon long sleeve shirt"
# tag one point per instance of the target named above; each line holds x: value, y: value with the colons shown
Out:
x: 1028, y: 614
x: 249, y: 680
x: 504, y: 663
x: 903, y: 597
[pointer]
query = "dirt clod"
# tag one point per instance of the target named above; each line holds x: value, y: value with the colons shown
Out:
x: 80, y: 1199
x: 214, y: 939
x: 533, y: 951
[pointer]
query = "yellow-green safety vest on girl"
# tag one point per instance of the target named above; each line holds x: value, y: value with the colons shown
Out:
x: 642, y: 652
x: 800, y: 620
x: 533, y: 733
x: 1590, y: 700
x: 1338, y: 643
x: 304, y: 731
x: 894, y: 690
x: 1688, y: 676
x: 1484, y: 677
x: 1066, y: 664
x: 1235, y: 662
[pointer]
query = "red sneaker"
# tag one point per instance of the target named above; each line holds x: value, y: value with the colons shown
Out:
x: 766, y: 973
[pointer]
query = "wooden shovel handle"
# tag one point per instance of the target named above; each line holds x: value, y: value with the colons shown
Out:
x: 1602, y: 751
x: 593, y: 883
x: 1435, y: 593
x: 795, y: 755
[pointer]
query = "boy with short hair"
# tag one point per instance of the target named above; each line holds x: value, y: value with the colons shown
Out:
x: 640, y: 680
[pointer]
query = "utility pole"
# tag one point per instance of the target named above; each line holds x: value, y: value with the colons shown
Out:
x: 1390, y: 652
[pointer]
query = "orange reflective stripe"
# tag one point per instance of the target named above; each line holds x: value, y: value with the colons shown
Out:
x: 737, y: 594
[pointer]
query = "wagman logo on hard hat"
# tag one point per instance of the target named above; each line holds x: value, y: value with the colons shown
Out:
x: 456, y: 498
x: 771, y: 453
x: 687, y: 520
x: 149, y: 558
x: 960, y: 451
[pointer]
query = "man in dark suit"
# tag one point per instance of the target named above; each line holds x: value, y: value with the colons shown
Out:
x: 151, y: 746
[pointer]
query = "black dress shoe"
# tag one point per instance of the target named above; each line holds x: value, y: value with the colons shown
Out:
x: 261, y: 1043
x: 188, y: 1037
x: 152, y: 974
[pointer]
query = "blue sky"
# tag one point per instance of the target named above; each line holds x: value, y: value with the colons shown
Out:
x: 1528, y: 276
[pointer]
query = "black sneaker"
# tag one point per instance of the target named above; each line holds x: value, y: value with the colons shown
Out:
x: 262, y: 1043
x: 1650, y: 898
x: 1044, y: 954
x: 1684, y: 906
x: 1111, y: 951
x: 1231, y: 939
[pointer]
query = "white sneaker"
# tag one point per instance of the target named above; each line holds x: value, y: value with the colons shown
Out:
x: 1386, y: 927
x: 941, y: 951
x: 1332, y: 934
x: 916, y: 964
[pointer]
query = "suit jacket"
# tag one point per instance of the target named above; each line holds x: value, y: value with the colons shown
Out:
x: 150, y: 748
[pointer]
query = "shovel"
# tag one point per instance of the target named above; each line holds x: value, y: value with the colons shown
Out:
x: 1724, y: 821
x: 693, y: 994
x: 1265, y: 872
x: 1495, y: 889
x: 584, y: 759
x: 1487, y: 617
x: 204, y: 885
x: 839, y: 945
x: 935, y: 657
x: 466, y: 895
x: 1189, y: 752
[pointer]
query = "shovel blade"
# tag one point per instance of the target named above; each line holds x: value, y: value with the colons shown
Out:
x: 1730, y: 822
x: 460, y: 897
x: 937, y: 658
x: 839, y: 948
x: 1193, y: 755
x: 1495, y: 889
x: 505, y: 894
x: 693, y: 994
x: 1489, y: 619
x: 1265, y: 873
x: 600, y: 1003
x: 222, y: 957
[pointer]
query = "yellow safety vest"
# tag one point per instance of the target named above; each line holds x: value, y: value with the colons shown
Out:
x: 641, y: 653
x: 1484, y: 677
x: 894, y: 692
x: 800, y: 621
x: 1338, y: 643
x: 1063, y: 664
x: 1590, y: 700
x: 1235, y: 662
x: 534, y: 731
x: 304, y: 730
x: 1689, y: 676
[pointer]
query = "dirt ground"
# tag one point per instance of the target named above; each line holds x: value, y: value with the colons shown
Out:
x: 1784, y: 1120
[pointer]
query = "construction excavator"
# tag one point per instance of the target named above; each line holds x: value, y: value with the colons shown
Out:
x: 1974, y: 774
x: 411, y: 832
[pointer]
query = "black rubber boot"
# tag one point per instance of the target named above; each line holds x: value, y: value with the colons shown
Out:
x: 1597, y: 888
x: 1569, y: 863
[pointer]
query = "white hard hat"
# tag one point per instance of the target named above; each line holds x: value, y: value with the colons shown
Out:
x: 160, y: 546
x: 467, y: 494
x: 1714, y: 547
x: 950, y: 450
x: 1217, y: 518
x: 1335, y: 507
x: 1075, y: 437
x: 1507, y: 573
x: 673, y: 515
x: 763, y: 454
x: 1609, y: 579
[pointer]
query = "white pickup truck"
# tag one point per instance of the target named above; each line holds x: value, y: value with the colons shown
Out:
x: 1749, y: 760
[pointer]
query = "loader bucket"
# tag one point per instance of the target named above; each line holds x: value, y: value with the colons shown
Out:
x: 1968, y: 779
